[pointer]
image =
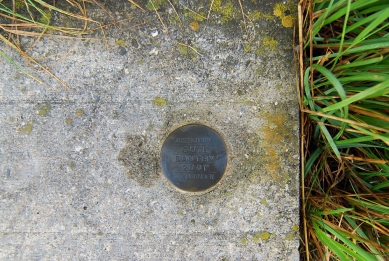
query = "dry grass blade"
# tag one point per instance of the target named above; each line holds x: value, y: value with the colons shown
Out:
x: 134, y: 3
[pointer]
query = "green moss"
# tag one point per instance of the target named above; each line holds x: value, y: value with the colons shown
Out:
x: 150, y: 127
x: 268, y: 16
x: 19, y: 4
x: 44, y: 109
x: 183, y: 50
x: 197, y: 17
x: 159, y: 102
x: 99, y: 233
x: 153, y: 5
x: 255, y: 15
x: 46, y: 17
x: 27, y: 128
x: 260, y: 71
x: 243, y: 240
x: 79, y: 113
x: 187, y: 52
x: 23, y: 90
x: 192, y: 222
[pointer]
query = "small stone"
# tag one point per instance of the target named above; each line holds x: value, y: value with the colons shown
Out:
x: 134, y: 43
x: 154, y: 33
x: 122, y: 51
x: 154, y: 51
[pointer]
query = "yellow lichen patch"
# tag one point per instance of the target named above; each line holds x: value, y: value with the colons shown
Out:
x: 243, y: 240
x: 279, y: 9
x: 270, y: 42
x: 159, y: 102
x: 227, y: 10
x: 287, y: 21
x: 295, y: 228
x: 27, y: 128
x: 68, y: 121
x: 79, y: 113
x: 194, y: 26
x: 289, y: 236
x: 255, y: 239
x: 44, y: 109
x: 263, y: 235
x: 273, y: 133
x: 121, y: 43
x: 247, y: 48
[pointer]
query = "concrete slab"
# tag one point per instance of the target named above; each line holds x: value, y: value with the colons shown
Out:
x: 80, y: 168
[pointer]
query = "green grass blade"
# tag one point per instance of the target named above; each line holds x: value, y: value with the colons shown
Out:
x: 329, y: 139
x: 333, y: 245
x: 382, y: 16
x: 311, y: 160
x: 332, y: 79
x: 368, y: 93
x: 360, y: 63
x: 331, y: 212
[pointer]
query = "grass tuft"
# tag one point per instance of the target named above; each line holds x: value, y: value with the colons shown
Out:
x: 344, y: 94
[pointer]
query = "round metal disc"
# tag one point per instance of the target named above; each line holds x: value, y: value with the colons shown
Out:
x: 194, y: 158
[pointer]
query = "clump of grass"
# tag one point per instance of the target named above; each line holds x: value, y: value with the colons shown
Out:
x: 344, y: 95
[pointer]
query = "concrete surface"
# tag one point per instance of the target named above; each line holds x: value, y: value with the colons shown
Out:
x: 80, y: 174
